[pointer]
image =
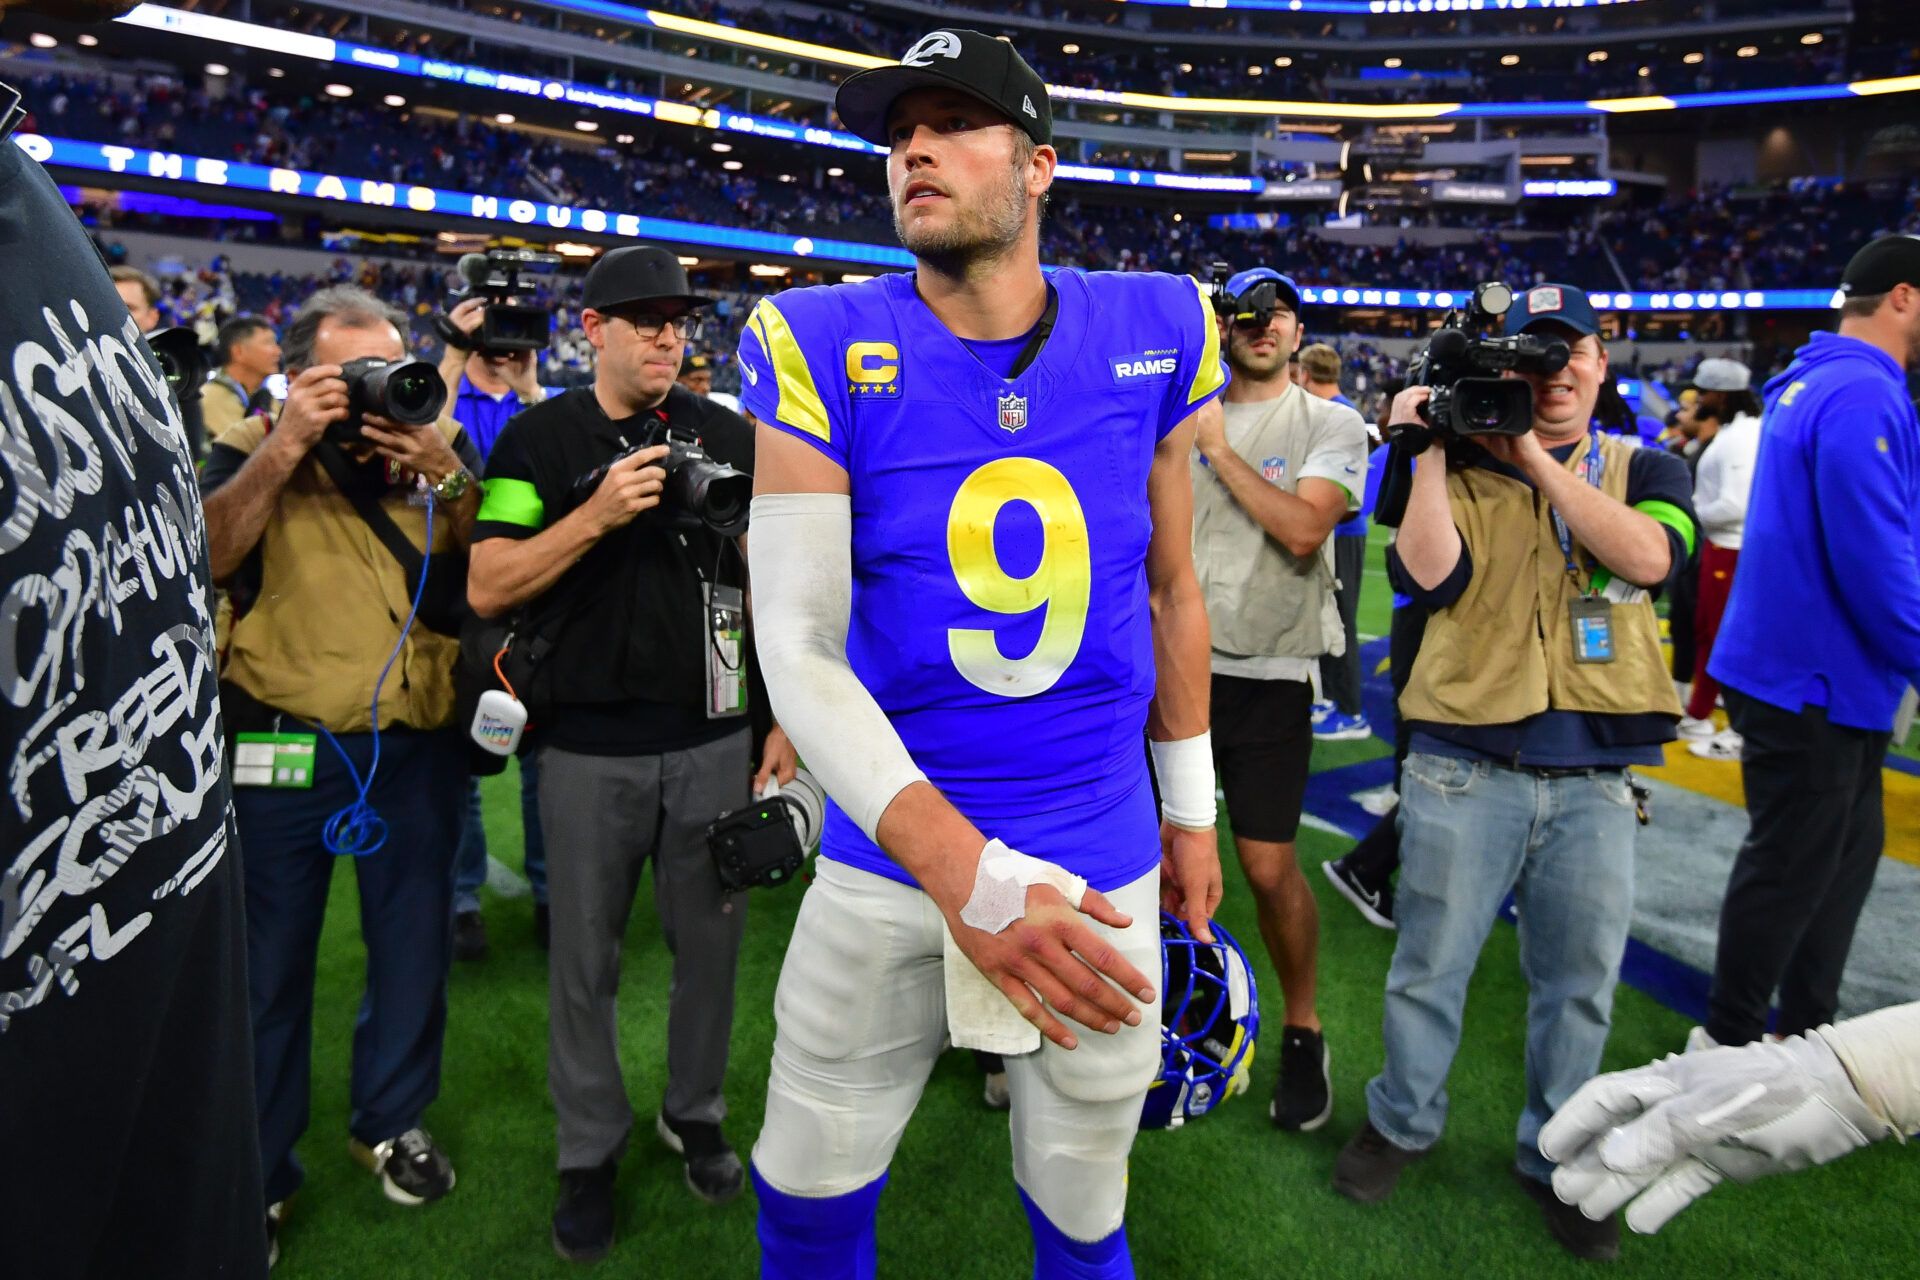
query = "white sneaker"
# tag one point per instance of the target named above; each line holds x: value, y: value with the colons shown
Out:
x: 1698, y: 1040
x: 1692, y: 730
x: 1724, y: 745
x: 994, y: 1092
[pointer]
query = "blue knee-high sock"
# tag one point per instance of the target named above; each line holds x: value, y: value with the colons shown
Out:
x: 1057, y: 1256
x: 817, y: 1237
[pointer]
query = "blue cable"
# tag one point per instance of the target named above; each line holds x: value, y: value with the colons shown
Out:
x: 358, y: 829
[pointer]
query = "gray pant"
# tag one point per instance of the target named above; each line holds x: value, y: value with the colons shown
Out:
x: 603, y: 816
x: 1340, y: 677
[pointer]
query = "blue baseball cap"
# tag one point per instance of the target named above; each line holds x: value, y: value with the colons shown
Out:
x: 1238, y: 286
x: 1560, y: 304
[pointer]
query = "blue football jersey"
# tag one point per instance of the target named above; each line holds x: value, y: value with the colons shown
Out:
x: 1000, y: 531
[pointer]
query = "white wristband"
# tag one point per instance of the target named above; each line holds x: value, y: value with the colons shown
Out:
x: 1000, y: 887
x: 1881, y: 1051
x: 1185, y: 770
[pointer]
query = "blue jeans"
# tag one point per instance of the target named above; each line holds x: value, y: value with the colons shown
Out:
x: 470, y: 863
x: 1470, y: 832
x: 403, y: 921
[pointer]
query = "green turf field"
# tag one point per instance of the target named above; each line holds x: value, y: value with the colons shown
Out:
x: 1226, y: 1196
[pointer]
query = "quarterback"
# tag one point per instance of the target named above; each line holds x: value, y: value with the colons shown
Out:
x: 975, y: 602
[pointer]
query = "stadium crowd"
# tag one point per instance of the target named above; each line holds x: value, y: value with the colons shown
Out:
x: 1715, y: 238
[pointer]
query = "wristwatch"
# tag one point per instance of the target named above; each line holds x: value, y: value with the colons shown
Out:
x: 454, y: 485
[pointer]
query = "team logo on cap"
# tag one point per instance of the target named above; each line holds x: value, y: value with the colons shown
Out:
x: 1545, y: 298
x: 1013, y: 413
x: 938, y: 44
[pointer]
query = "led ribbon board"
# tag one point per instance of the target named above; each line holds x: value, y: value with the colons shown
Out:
x: 170, y: 166
x: 760, y: 42
x: 272, y: 39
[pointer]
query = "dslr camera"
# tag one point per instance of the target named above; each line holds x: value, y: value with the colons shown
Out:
x: 698, y: 491
x: 183, y: 362
x: 409, y: 392
x: 1465, y: 368
x: 503, y: 277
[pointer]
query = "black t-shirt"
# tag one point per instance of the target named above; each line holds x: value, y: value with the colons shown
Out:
x: 628, y: 674
x: 127, y: 1131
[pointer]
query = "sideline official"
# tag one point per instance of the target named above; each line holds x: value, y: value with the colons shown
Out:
x: 1821, y: 637
x: 1540, y: 680
x: 634, y: 760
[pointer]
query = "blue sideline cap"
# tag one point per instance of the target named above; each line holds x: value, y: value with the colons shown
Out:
x: 1560, y: 304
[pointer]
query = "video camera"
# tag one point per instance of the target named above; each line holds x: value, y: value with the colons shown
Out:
x: 503, y: 277
x: 1470, y: 397
x: 698, y: 491
x: 410, y: 392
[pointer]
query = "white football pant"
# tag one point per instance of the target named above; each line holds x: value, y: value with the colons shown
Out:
x: 861, y: 1016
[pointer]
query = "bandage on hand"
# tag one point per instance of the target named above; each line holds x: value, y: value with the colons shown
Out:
x: 1023, y: 928
x: 1660, y: 1137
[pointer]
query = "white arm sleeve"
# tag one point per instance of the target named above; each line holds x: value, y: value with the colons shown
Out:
x: 800, y: 548
x: 1881, y: 1051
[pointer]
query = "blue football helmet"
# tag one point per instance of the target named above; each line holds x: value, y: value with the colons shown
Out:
x: 1209, y: 1016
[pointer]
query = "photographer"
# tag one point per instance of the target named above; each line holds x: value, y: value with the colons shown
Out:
x: 302, y: 521
x: 643, y: 741
x: 246, y: 354
x: 488, y: 388
x: 1539, y: 682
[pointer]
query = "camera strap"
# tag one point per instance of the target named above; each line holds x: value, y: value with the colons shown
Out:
x: 1592, y: 469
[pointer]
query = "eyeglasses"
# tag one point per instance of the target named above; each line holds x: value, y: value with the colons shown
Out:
x: 648, y: 324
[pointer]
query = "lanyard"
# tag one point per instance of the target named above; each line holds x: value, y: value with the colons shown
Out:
x: 1591, y: 469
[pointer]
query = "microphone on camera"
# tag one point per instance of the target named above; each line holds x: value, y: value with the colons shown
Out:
x: 472, y: 268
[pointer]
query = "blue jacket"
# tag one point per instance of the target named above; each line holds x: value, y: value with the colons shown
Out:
x: 1825, y: 608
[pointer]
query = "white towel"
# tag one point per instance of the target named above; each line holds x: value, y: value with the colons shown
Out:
x: 978, y: 1015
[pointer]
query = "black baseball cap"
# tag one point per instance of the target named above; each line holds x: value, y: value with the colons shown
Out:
x: 976, y: 64
x: 1560, y: 304
x: 640, y: 273
x: 1884, y: 263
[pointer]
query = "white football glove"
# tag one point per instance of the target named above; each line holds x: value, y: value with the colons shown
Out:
x: 1664, y: 1135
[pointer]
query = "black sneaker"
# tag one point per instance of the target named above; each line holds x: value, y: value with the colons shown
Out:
x: 1303, y: 1095
x: 275, y: 1213
x: 1578, y: 1234
x: 469, y: 936
x: 542, y: 927
x: 583, y: 1215
x: 411, y: 1169
x: 1370, y: 1166
x: 713, y: 1171
x: 1373, y: 901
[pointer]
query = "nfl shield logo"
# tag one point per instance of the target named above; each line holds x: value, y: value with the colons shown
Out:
x: 1274, y: 469
x: 1013, y: 412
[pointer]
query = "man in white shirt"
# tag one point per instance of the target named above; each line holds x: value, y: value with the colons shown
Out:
x: 1279, y: 469
x: 1726, y: 417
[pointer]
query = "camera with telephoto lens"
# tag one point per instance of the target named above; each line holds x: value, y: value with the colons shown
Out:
x: 765, y: 843
x: 410, y: 392
x: 507, y: 324
x: 183, y: 361
x: 698, y: 491
x: 1464, y: 368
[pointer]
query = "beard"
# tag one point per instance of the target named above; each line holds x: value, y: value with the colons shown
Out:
x: 980, y: 233
x: 1245, y: 361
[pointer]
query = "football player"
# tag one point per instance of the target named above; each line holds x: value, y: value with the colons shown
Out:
x: 974, y: 596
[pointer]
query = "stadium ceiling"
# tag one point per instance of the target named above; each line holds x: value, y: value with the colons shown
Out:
x: 531, y: 217
x: 325, y: 49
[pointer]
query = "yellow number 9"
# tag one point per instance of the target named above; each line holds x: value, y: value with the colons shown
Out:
x: 1060, y: 583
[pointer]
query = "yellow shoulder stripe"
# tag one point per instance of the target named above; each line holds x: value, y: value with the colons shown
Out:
x: 1208, y: 378
x: 800, y: 406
